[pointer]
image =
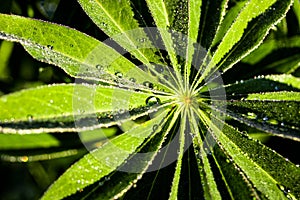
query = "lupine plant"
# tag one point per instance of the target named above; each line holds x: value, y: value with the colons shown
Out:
x: 175, y: 101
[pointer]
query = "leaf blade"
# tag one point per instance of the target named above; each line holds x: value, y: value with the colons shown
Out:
x: 102, y: 161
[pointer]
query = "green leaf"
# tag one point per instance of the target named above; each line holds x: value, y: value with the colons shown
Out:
x: 116, y: 19
x: 161, y: 12
x: 104, y: 160
x: 176, y: 178
x: 252, y: 24
x: 228, y: 20
x: 269, y: 83
x: 287, y: 63
x: 258, y: 162
x: 28, y: 141
x: 204, y: 167
x: 211, y: 17
x: 55, y: 108
x: 274, y: 112
x: 6, y: 49
x: 76, y: 53
x: 296, y: 8
x: 119, y: 182
x: 271, y: 45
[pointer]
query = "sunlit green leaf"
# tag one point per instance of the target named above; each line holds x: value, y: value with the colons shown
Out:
x: 102, y: 161
x: 258, y: 163
x: 55, y: 108
x: 252, y: 24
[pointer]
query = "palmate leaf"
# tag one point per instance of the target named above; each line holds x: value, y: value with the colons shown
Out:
x: 228, y: 163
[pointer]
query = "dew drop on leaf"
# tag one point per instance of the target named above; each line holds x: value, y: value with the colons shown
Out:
x: 119, y: 74
x: 30, y: 118
x: 159, y: 68
x: 132, y: 80
x: 50, y: 47
x: 166, y: 77
x: 152, y: 100
x: 155, y: 127
x: 148, y: 84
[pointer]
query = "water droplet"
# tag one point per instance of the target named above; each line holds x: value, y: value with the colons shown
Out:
x: 152, y: 100
x: 99, y: 67
x: 132, y: 80
x: 166, y: 77
x: 142, y: 40
x: 100, y: 183
x: 119, y: 74
x: 265, y: 118
x: 30, y: 118
x: 159, y: 68
x: 103, y: 24
x: 276, y: 88
x: 50, y: 47
x: 51, y: 101
x: 155, y: 127
x: 148, y: 84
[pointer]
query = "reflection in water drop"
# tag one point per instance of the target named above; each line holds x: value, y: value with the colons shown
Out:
x: 152, y: 100
x: 132, y: 80
x: 99, y: 67
x: 148, y: 84
x: 155, y: 127
x: 119, y: 74
x: 159, y: 68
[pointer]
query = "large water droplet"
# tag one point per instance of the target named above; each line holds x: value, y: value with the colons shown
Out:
x: 152, y: 100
